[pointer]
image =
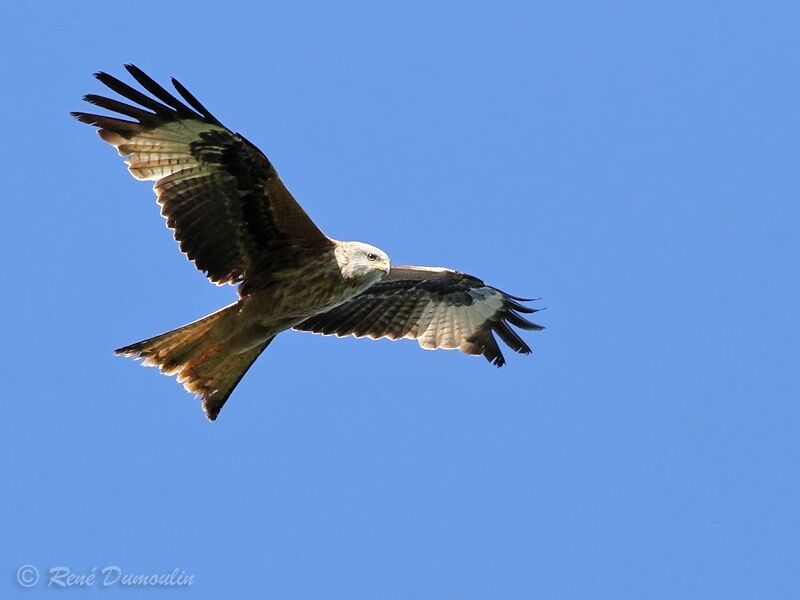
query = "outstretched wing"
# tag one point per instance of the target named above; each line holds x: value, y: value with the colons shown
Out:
x: 229, y: 210
x: 439, y: 308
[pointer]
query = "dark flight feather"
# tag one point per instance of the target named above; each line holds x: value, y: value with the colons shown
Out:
x: 159, y: 92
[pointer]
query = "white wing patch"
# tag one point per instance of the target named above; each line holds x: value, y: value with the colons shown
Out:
x: 163, y: 151
x: 447, y: 326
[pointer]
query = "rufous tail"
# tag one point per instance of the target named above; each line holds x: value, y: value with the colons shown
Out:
x: 209, y: 356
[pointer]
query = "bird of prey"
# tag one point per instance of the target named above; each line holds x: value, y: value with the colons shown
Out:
x: 235, y: 219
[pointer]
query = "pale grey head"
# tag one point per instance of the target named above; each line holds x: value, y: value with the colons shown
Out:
x: 362, y: 261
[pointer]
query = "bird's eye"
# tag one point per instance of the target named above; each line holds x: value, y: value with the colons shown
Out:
x: 372, y: 256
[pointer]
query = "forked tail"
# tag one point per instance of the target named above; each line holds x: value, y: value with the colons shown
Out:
x: 209, y: 356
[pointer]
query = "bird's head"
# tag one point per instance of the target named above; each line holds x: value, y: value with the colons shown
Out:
x: 362, y: 261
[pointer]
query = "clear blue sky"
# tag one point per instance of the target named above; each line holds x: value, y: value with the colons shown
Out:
x: 635, y: 166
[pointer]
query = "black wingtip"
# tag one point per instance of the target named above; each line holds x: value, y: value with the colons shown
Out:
x: 195, y: 103
x: 127, y: 350
x: 104, y: 77
x: 83, y: 117
x: 518, y: 298
x: 521, y: 322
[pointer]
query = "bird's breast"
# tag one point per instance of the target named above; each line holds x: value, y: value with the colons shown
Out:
x: 294, y: 295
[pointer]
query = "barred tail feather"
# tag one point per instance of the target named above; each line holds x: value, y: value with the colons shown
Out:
x: 209, y: 356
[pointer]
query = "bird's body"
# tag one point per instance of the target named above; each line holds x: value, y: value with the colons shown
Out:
x: 238, y: 223
x: 209, y: 356
x: 322, y: 282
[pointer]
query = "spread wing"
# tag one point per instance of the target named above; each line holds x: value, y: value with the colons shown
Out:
x: 439, y: 308
x: 229, y: 210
